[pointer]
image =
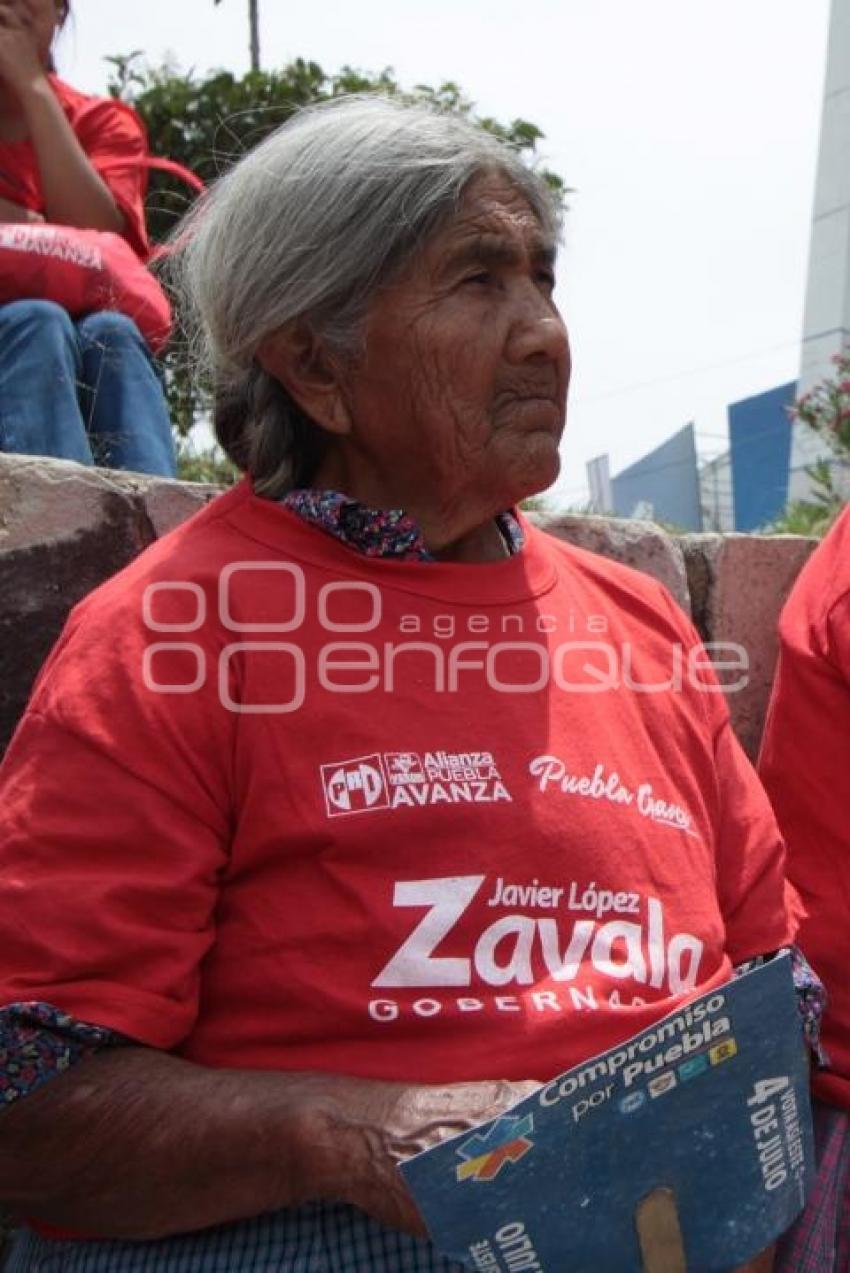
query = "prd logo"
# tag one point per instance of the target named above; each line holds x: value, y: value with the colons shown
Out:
x: 353, y: 786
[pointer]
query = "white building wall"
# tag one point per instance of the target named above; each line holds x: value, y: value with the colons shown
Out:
x: 826, y: 323
x: 716, y: 494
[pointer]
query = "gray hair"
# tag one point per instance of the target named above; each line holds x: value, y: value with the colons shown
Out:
x: 306, y: 228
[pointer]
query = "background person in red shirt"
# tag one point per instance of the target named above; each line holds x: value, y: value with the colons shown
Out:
x: 805, y: 765
x: 83, y: 390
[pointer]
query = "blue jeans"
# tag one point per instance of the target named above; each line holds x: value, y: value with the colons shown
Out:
x: 85, y: 390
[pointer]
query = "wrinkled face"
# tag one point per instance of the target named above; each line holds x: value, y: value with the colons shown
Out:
x: 44, y: 19
x: 461, y: 394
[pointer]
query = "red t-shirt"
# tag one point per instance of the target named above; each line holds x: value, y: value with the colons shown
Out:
x: 805, y: 765
x: 276, y: 804
x: 113, y: 137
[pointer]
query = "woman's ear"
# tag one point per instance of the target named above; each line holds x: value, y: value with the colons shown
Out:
x: 309, y: 374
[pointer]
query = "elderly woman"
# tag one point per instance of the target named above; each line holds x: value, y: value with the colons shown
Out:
x: 356, y: 804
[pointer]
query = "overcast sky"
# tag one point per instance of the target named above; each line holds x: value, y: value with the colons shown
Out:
x: 688, y: 128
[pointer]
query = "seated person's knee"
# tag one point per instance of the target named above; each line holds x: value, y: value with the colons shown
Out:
x: 108, y: 327
x: 36, y: 317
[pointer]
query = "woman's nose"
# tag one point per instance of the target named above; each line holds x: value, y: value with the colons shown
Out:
x: 537, y: 329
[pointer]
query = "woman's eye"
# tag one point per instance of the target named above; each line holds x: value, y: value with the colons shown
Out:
x: 481, y: 277
x: 547, y: 278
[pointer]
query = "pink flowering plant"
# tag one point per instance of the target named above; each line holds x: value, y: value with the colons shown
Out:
x: 826, y: 408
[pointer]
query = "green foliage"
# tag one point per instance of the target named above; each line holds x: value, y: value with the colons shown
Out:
x: 803, y: 517
x: 812, y: 516
x: 204, y: 464
x: 207, y: 123
x: 826, y: 410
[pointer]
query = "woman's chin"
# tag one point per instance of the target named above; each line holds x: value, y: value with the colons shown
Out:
x: 543, y: 464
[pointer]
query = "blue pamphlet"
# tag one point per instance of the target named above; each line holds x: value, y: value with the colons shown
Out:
x: 711, y: 1103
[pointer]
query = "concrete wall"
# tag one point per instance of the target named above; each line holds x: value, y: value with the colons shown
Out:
x: 63, y: 529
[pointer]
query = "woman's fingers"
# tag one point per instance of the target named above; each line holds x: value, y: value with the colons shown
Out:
x: 359, y: 1131
x: 428, y: 1115
x: 425, y: 1115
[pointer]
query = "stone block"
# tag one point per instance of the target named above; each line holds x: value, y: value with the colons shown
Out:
x: 64, y: 529
x: 166, y: 503
x: 639, y: 544
x: 738, y: 585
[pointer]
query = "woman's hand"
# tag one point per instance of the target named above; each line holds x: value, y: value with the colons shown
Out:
x: 137, y: 1143
x: 20, y: 62
x: 15, y: 213
x: 359, y: 1131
